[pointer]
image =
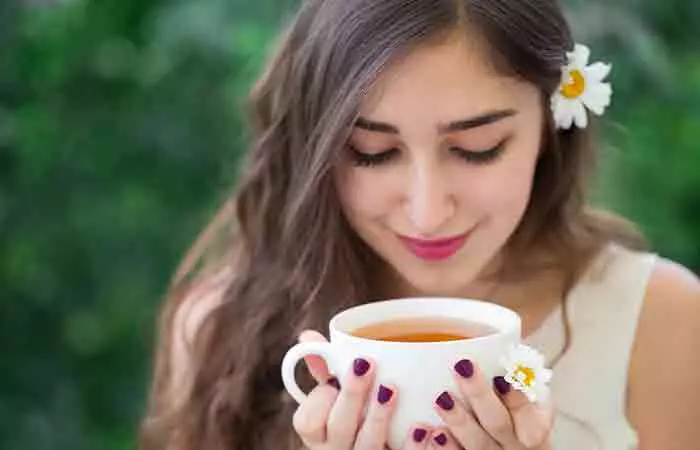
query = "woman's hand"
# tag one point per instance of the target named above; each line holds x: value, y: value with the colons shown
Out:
x: 332, y: 417
x: 492, y: 415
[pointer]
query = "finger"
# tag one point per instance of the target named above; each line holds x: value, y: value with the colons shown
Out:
x: 349, y: 407
x: 375, y: 427
x: 316, y: 365
x: 462, y: 424
x: 488, y: 409
x: 418, y: 438
x: 310, y: 418
x: 532, y: 421
x: 442, y: 439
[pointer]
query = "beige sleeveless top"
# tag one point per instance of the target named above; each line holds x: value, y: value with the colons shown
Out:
x: 590, y: 380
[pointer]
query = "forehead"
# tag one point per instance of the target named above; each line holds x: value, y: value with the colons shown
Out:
x: 443, y: 81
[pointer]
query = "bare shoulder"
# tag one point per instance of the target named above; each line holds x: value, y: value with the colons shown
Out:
x: 664, y: 389
x: 672, y: 302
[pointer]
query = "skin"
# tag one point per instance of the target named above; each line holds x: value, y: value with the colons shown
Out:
x: 428, y: 191
x: 663, y: 385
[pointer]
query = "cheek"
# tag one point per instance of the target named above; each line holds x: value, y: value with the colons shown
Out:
x: 363, y: 196
x: 504, y: 192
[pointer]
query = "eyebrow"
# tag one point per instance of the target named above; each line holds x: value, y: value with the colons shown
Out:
x: 452, y: 127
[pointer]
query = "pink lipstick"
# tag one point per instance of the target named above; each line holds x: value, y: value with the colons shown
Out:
x: 435, y: 249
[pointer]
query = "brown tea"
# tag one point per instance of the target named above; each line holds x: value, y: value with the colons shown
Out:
x: 423, y: 329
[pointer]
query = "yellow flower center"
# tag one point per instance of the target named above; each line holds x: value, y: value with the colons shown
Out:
x: 576, y: 85
x: 528, y: 375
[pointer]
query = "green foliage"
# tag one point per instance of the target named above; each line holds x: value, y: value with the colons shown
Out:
x: 120, y: 131
x: 120, y: 128
x: 651, y: 163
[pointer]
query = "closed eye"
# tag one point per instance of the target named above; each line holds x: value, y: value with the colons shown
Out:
x: 486, y: 156
x: 374, y: 159
x: 480, y: 156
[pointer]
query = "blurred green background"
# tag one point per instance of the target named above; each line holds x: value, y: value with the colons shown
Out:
x: 120, y: 131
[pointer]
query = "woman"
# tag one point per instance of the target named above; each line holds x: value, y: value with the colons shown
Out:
x: 383, y: 127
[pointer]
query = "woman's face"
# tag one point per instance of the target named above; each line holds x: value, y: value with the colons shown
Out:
x: 444, y: 147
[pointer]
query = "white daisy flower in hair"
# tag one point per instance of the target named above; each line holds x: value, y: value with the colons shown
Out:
x: 526, y: 371
x: 581, y: 88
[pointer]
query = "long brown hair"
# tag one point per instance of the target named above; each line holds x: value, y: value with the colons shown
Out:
x: 284, y: 257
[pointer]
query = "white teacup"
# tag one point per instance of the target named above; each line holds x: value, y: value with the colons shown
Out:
x: 420, y: 371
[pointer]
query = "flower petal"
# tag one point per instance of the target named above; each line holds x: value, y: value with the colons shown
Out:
x: 597, y: 97
x: 555, y: 101
x: 565, y: 122
x: 597, y: 72
x: 579, y: 57
x: 557, y: 107
x: 545, y: 376
x: 522, y: 357
x: 564, y: 115
x: 580, y: 116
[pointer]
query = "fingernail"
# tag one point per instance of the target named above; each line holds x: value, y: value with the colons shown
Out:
x: 360, y: 366
x: 445, y: 401
x: 465, y: 368
x: 501, y: 385
x: 384, y: 394
x: 440, y: 439
x: 333, y: 381
x: 419, y: 434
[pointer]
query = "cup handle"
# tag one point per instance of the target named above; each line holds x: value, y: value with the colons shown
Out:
x: 292, y: 358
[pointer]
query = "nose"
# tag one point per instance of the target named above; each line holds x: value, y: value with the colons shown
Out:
x: 429, y: 201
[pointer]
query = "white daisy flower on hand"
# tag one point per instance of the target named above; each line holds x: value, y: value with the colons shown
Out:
x: 581, y: 87
x: 526, y: 371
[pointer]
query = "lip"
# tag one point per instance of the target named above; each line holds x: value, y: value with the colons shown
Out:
x: 435, y: 249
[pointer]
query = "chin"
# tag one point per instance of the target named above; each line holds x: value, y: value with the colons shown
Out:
x: 433, y: 283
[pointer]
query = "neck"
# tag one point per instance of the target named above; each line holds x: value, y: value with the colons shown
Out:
x: 531, y: 295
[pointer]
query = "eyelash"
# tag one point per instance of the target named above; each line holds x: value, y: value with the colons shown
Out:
x: 484, y: 157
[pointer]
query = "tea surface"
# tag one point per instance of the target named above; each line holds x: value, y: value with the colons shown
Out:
x: 423, y: 329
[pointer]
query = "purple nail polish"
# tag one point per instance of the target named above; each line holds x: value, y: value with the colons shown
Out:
x: 445, y: 401
x: 419, y: 434
x: 465, y: 368
x: 501, y: 385
x: 333, y: 381
x: 384, y: 394
x: 440, y: 439
x: 360, y: 366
